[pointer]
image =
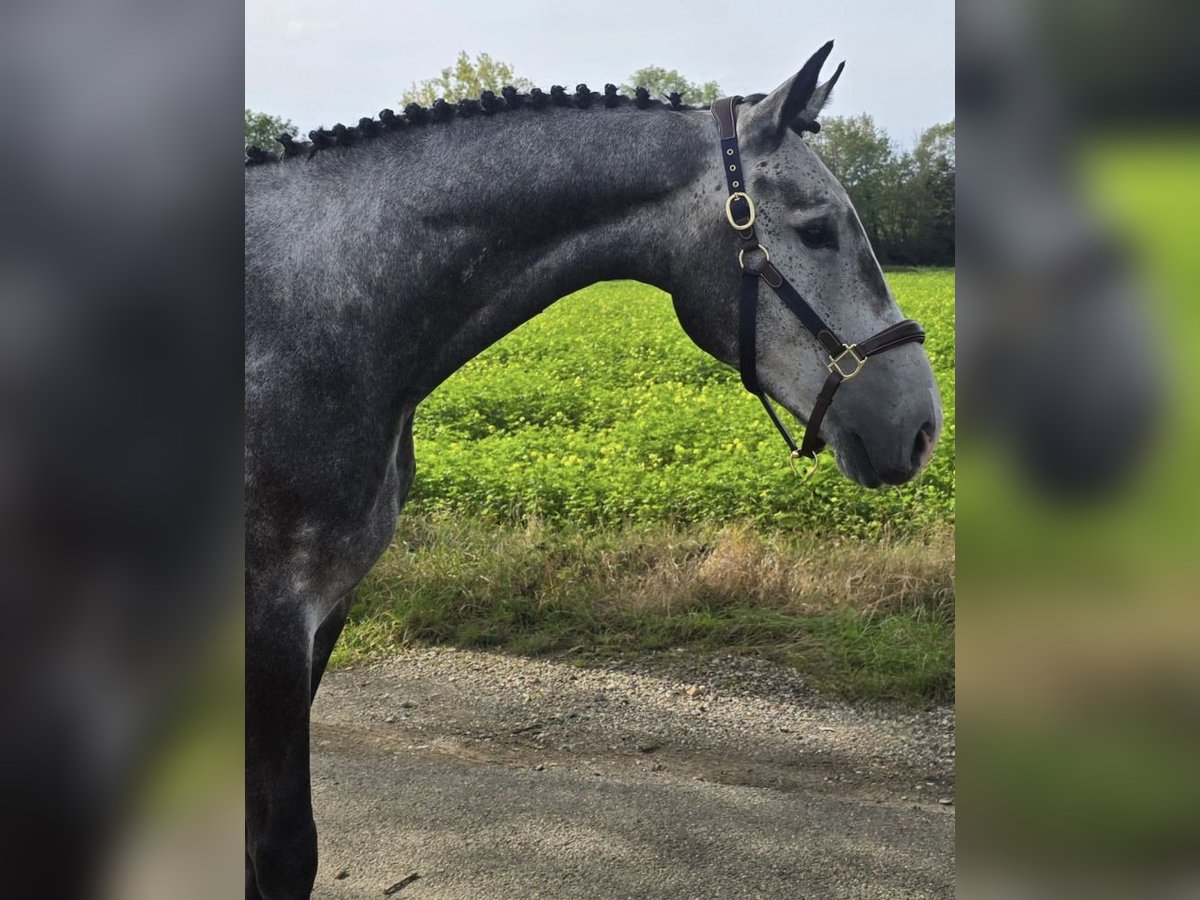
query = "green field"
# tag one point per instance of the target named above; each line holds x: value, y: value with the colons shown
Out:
x: 594, y: 483
x: 602, y: 411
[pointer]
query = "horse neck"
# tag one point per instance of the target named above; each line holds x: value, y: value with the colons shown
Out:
x: 501, y: 217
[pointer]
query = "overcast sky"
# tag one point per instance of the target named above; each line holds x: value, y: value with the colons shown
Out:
x: 318, y: 62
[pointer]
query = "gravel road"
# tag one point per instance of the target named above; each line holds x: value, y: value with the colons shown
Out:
x: 453, y: 774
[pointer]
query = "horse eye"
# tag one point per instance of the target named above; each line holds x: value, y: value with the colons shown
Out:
x: 817, y: 235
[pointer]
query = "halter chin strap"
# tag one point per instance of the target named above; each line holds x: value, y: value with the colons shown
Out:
x: 845, y: 360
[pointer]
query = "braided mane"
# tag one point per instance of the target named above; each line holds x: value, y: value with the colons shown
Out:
x: 488, y: 104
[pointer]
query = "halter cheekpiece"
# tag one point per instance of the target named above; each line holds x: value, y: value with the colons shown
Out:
x: 845, y: 360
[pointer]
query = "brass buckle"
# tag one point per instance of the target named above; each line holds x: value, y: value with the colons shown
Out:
x: 805, y: 476
x: 742, y: 254
x: 835, y: 362
x: 729, y: 211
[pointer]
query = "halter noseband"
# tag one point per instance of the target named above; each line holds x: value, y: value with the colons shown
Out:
x: 845, y: 360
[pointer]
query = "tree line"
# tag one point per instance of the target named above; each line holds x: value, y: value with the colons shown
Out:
x: 905, y: 198
x: 471, y: 77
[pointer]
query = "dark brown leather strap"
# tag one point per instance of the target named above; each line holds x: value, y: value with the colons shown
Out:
x: 892, y: 336
x: 812, y: 443
x: 748, y: 334
x: 722, y: 111
x: 808, y: 317
x: 738, y: 209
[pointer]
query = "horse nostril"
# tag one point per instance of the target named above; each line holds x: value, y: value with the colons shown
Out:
x: 922, y: 445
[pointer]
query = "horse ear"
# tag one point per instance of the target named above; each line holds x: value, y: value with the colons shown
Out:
x: 798, y: 98
x: 820, y: 97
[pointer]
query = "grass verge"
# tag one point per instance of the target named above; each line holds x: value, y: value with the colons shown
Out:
x: 862, y: 620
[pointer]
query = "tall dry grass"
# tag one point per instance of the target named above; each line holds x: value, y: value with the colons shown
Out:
x: 871, y: 616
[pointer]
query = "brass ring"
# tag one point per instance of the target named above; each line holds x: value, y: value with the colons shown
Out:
x: 814, y: 461
x: 742, y: 254
x: 729, y: 211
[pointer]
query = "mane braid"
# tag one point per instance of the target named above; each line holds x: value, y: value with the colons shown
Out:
x: 256, y: 156
x: 512, y: 99
x: 291, y: 148
x: 444, y: 110
x: 490, y: 103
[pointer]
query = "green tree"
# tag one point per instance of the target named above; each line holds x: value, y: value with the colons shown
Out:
x: 465, y: 79
x: 662, y: 82
x: 863, y: 158
x: 905, y: 199
x: 263, y: 128
x: 930, y: 195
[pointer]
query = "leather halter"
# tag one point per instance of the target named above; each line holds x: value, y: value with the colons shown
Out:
x: 845, y: 360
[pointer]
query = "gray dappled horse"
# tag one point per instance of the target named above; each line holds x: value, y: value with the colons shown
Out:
x: 379, y: 265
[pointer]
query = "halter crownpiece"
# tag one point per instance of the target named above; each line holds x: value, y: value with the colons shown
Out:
x: 845, y: 360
